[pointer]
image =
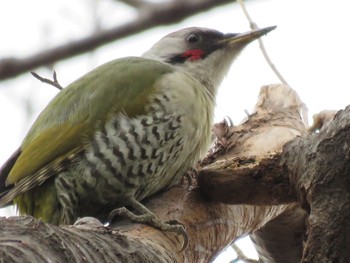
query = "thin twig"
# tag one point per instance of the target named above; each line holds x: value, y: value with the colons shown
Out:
x: 241, y: 256
x: 54, y: 83
x: 253, y: 25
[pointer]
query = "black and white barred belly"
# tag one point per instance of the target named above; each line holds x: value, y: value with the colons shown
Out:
x: 135, y: 157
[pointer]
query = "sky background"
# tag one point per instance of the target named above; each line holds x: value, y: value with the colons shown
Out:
x: 310, y: 47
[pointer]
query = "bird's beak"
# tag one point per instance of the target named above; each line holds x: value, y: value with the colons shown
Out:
x: 246, y: 37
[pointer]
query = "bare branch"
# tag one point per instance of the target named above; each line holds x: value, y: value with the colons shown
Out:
x: 54, y: 83
x: 154, y: 15
x: 134, y: 3
x: 253, y: 25
x: 27, y: 239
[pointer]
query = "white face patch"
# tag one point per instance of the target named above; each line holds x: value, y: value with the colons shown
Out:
x: 203, y: 62
x: 166, y: 47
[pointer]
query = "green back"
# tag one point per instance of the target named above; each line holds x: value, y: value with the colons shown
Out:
x: 123, y: 85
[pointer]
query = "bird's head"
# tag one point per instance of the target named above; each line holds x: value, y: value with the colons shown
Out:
x: 204, y: 53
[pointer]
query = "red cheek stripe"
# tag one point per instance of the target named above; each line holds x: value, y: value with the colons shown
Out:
x: 193, y: 54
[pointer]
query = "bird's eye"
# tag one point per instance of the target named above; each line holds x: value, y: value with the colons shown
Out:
x: 193, y: 38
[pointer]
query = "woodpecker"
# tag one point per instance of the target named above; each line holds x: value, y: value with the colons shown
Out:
x: 124, y: 131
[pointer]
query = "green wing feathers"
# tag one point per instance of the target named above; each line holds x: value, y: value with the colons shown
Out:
x: 72, y: 117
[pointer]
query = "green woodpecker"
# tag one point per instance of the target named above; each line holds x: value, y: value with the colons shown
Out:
x: 124, y: 131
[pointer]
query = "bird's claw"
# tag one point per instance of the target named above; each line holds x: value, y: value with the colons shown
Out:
x: 190, y: 175
x: 179, y: 228
x: 116, y: 212
x: 171, y: 226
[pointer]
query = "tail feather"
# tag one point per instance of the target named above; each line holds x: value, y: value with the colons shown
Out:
x: 55, y: 167
x: 5, y: 170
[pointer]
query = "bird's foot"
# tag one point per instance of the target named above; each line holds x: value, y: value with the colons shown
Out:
x: 190, y: 176
x: 124, y: 212
x: 88, y: 222
x: 151, y: 219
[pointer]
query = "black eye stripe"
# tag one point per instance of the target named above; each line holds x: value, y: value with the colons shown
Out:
x: 200, y: 44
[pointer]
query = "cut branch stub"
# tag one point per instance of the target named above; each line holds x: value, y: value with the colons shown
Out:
x: 253, y: 181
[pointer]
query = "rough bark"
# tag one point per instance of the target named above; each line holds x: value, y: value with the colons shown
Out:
x: 281, y: 240
x: 319, y: 171
x: 247, y: 155
x: 254, y: 182
x: 210, y: 226
x: 249, y: 171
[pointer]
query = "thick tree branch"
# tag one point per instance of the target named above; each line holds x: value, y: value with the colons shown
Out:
x: 247, y: 153
x: 282, y: 239
x: 210, y: 226
x: 317, y: 164
x: 320, y: 168
x: 153, y: 15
